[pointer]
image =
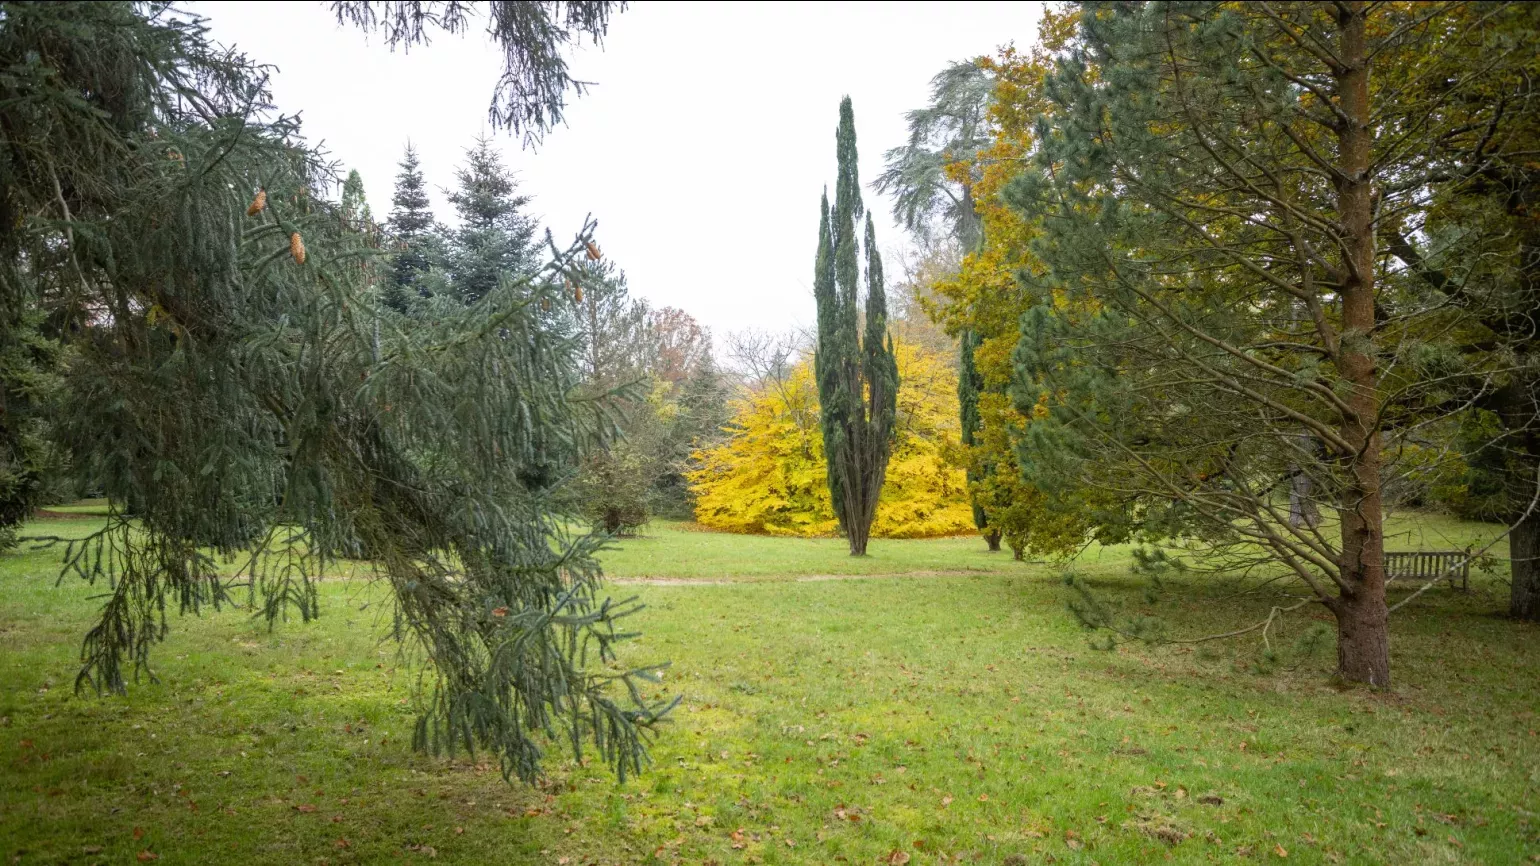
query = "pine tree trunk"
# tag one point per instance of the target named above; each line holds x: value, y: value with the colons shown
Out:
x: 1524, y: 547
x: 992, y: 538
x: 1363, y: 639
x: 1518, y: 411
x: 1363, y: 653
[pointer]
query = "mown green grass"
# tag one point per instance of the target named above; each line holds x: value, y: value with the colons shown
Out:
x: 952, y: 717
x: 683, y: 550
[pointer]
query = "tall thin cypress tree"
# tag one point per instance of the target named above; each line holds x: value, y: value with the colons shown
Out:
x: 857, y: 377
x: 411, y: 230
x: 969, y: 384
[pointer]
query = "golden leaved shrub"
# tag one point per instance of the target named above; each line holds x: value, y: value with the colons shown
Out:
x: 769, y: 476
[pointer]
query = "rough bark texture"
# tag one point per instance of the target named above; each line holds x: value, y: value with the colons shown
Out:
x: 1363, y: 653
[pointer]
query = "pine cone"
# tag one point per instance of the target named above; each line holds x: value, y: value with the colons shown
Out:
x: 577, y: 294
x: 258, y: 204
x: 297, y: 248
x: 593, y: 250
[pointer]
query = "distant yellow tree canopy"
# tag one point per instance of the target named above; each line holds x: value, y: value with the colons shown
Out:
x: 769, y: 476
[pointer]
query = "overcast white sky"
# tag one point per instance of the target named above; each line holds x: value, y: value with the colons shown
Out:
x: 701, y: 150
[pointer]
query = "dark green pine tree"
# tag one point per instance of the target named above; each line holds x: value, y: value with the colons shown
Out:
x: 412, y: 239
x: 495, y: 239
x: 857, y: 377
x: 969, y: 384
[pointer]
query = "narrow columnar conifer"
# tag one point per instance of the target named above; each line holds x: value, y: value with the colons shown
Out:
x: 857, y: 376
x: 969, y: 384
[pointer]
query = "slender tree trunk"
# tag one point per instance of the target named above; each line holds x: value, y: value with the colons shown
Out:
x: 1516, y: 407
x: 858, y: 538
x: 1363, y: 643
x: 992, y: 538
x: 1523, y: 548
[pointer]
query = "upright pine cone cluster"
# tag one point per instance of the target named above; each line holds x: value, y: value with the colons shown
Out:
x: 297, y: 248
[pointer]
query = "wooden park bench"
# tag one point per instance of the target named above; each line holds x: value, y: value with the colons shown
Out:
x: 1429, y: 565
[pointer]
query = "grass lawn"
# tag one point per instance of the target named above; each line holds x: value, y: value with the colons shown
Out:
x: 956, y: 715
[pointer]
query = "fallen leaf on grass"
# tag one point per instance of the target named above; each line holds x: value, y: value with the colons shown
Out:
x: 147, y: 855
x: 305, y: 807
x: 1280, y: 851
x: 897, y: 858
x: 342, y: 843
x: 138, y: 832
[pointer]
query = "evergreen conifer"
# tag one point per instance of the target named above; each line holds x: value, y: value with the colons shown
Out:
x: 495, y: 238
x: 969, y: 384
x: 231, y: 377
x: 857, y: 378
x: 412, y: 239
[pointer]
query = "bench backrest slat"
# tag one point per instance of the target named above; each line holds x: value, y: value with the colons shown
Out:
x: 1425, y: 564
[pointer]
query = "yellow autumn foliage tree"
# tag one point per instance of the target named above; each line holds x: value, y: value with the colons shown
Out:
x: 769, y: 476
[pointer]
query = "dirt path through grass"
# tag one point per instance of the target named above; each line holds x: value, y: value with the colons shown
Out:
x: 787, y: 578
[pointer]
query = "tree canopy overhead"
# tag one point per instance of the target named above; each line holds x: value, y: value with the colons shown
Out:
x: 531, y: 94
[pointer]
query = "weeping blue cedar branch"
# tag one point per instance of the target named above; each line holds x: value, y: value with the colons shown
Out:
x: 251, y: 415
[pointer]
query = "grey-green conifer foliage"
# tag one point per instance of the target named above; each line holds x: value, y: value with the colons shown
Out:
x: 531, y: 94
x: 952, y: 128
x: 857, y: 375
x: 495, y: 238
x: 232, y: 376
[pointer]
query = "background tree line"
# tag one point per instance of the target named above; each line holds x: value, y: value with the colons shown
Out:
x: 648, y: 374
